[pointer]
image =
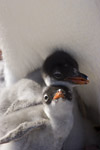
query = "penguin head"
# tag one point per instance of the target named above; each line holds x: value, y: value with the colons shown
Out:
x: 58, y: 102
x: 61, y: 68
x: 56, y: 93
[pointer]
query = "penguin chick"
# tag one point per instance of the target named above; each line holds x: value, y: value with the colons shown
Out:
x: 61, y: 68
x: 82, y: 135
x: 20, y: 95
x: 44, y: 126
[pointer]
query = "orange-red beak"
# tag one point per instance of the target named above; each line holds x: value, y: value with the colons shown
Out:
x: 79, y: 79
x: 59, y: 94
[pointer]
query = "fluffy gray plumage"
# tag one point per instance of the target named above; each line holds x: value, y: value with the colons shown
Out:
x: 23, y: 94
x: 26, y: 125
x: 42, y: 126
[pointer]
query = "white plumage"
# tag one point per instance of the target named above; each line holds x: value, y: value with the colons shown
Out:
x: 29, y: 30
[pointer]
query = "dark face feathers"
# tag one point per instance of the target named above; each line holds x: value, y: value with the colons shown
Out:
x: 58, y: 63
x: 61, y: 66
x: 51, y: 91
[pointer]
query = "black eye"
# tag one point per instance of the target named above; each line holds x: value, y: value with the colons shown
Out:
x: 46, y: 97
x: 66, y: 65
x: 57, y: 75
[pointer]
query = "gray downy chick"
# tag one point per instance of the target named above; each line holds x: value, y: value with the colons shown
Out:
x: 20, y: 95
x: 83, y: 134
x: 44, y: 126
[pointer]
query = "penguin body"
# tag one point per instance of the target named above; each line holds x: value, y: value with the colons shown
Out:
x: 20, y: 95
x: 44, y: 126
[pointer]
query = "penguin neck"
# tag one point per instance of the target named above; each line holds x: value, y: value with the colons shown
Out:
x: 61, y: 118
x: 51, y: 81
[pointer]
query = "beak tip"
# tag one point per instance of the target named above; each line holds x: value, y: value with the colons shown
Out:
x: 87, y: 80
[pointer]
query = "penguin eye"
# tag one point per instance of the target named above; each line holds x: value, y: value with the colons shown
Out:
x: 66, y: 65
x: 57, y: 75
x: 46, y: 97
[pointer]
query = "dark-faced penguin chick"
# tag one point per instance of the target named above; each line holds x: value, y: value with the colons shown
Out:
x: 61, y: 68
x: 45, y: 126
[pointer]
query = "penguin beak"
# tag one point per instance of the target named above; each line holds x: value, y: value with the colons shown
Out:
x: 80, y: 78
x: 59, y: 94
